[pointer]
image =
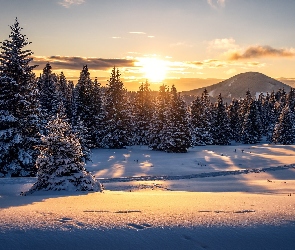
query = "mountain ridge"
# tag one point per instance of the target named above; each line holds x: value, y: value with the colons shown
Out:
x: 236, y: 86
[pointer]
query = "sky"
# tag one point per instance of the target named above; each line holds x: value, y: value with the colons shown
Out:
x: 158, y: 40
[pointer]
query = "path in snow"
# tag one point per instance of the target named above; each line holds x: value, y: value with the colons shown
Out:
x: 192, y: 176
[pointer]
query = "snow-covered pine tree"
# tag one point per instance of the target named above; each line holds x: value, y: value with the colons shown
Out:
x: 142, y: 114
x: 98, y: 107
x: 235, y: 123
x: 117, y: 118
x: 66, y: 90
x: 220, y: 126
x: 60, y: 163
x: 88, y: 105
x: 207, y: 117
x: 82, y: 134
x: 19, y: 106
x: 284, y: 131
x: 262, y: 108
x: 291, y: 99
x: 8, y: 127
x: 251, y: 130
x: 197, y: 130
x: 50, y: 95
x: 176, y: 132
x: 156, y: 133
x: 271, y: 107
x: 201, y: 120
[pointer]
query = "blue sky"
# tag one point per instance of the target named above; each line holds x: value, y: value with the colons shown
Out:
x: 195, y: 38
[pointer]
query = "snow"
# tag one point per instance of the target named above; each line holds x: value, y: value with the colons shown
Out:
x: 213, y: 197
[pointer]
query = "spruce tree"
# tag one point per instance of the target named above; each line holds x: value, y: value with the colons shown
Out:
x: 116, y: 132
x: 235, y: 123
x: 19, y: 106
x: 251, y: 130
x: 156, y: 133
x: 66, y: 89
x: 220, y: 126
x: 176, y: 132
x: 88, y: 105
x: 50, y: 96
x: 197, y: 129
x: 142, y: 114
x: 284, y: 131
x: 272, y: 108
x: 81, y: 133
x: 201, y: 120
x: 60, y: 163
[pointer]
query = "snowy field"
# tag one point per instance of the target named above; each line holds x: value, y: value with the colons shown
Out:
x: 213, y: 197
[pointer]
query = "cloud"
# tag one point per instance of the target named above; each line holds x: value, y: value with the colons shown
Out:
x: 210, y: 63
x: 76, y: 63
x: 181, y: 44
x: 223, y: 43
x: 137, y: 32
x: 116, y: 37
x: 216, y: 3
x: 261, y: 51
x: 215, y: 63
x: 69, y: 3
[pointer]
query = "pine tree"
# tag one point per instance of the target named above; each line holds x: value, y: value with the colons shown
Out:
x: 117, y: 117
x: 9, y: 136
x: 291, y: 99
x: 158, y: 121
x: 82, y: 134
x: 88, y: 105
x: 251, y: 130
x: 201, y: 120
x: 60, y: 163
x: 50, y: 95
x: 263, y: 110
x: 220, y: 126
x: 235, y: 123
x: 66, y: 89
x: 176, y: 132
x: 99, y: 112
x: 19, y: 106
x: 284, y: 131
x: 142, y: 114
x: 272, y: 108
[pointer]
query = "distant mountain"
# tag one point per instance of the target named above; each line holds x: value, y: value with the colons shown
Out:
x: 236, y: 86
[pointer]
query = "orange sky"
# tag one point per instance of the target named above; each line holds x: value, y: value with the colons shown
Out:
x: 158, y: 40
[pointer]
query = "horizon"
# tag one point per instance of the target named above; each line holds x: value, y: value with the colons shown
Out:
x: 192, y: 43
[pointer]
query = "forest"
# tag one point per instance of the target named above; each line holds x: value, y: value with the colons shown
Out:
x: 40, y: 115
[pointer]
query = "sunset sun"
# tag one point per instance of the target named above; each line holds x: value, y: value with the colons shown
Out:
x: 153, y: 69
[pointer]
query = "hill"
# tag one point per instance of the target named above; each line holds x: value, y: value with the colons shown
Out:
x: 236, y: 86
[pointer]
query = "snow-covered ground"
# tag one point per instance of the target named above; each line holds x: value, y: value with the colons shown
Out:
x: 213, y: 197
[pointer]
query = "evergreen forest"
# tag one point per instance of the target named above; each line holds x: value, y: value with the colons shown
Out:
x: 47, y: 118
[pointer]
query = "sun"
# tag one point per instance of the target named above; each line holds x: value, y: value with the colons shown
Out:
x: 153, y: 69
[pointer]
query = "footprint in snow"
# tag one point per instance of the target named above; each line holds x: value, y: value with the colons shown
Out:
x: 139, y: 226
x: 244, y: 211
x: 65, y: 220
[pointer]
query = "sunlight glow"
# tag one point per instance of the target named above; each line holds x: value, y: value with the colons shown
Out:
x: 154, y: 69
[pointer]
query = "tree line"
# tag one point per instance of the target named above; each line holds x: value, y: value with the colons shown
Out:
x: 42, y: 116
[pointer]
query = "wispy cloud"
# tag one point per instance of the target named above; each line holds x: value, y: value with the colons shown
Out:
x: 116, y: 37
x: 223, y: 44
x: 261, y: 51
x: 215, y: 63
x: 181, y: 44
x: 137, y: 32
x: 216, y: 3
x: 69, y: 3
x: 76, y: 63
